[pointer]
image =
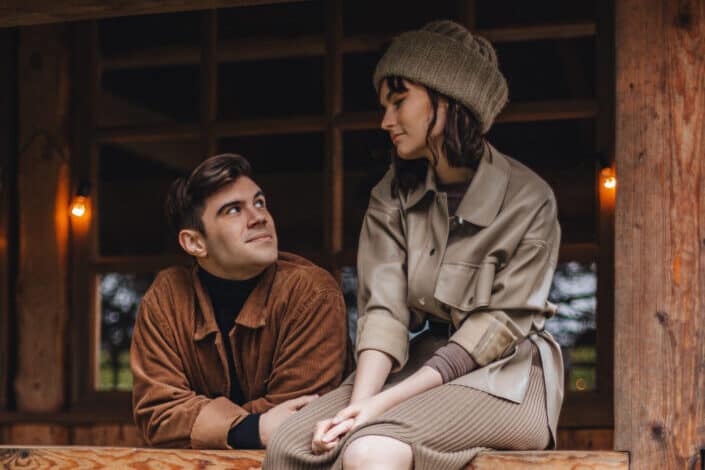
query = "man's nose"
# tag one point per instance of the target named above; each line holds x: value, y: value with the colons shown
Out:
x: 255, y: 216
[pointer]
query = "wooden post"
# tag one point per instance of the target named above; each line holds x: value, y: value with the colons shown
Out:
x: 43, y: 185
x: 333, y: 192
x: 660, y: 232
x: 209, y: 81
x: 8, y: 152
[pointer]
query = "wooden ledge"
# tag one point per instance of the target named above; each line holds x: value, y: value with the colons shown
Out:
x: 12, y: 457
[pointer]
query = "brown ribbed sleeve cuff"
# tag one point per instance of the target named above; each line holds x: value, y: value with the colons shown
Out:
x: 452, y: 361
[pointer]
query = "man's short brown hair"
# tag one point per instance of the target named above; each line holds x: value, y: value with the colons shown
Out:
x: 186, y: 198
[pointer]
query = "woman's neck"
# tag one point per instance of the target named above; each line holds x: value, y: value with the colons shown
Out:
x: 446, y: 174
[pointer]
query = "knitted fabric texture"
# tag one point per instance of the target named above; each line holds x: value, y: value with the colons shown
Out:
x: 446, y: 57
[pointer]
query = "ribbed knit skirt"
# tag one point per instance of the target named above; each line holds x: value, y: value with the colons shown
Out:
x: 445, y: 427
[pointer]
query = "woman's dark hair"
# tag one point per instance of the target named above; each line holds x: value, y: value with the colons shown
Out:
x: 462, y: 140
x: 186, y: 198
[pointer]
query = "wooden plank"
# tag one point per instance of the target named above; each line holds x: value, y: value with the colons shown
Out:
x: 376, y: 42
x: 8, y: 151
x: 119, y: 435
x: 270, y: 126
x: 43, y: 184
x: 271, y: 47
x: 209, y: 81
x: 467, y: 13
x: 149, y: 133
x: 138, y: 264
x: 231, y: 50
x: 36, y: 435
x: 333, y: 172
x: 115, y: 457
x: 32, y: 12
x: 585, y: 439
x: 660, y: 232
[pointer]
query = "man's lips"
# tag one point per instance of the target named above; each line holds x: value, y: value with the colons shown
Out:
x: 260, y: 237
x: 396, y: 137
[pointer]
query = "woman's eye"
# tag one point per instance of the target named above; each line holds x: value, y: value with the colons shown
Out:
x: 398, y: 102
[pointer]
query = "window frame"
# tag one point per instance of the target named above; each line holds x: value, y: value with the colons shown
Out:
x: 580, y: 409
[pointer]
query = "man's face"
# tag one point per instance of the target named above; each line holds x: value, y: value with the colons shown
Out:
x: 240, y: 239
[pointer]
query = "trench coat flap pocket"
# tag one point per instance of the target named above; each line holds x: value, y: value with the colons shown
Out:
x: 465, y: 286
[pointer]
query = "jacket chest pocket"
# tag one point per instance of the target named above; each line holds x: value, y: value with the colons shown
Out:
x: 466, y: 286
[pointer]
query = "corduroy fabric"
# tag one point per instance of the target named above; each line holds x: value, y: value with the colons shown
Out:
x: 446, y: 57
x: 446, y: 427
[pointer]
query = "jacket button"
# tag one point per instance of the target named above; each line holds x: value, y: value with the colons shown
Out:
x: 432, y: 252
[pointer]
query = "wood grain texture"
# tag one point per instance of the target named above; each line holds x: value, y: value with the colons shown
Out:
x: 36, y: 435
x: 107, y: 457
x: 107, y: 435
x: 585, y: 439
x: 660, y: 232
x: 33, y: 12
x: 43, y: 186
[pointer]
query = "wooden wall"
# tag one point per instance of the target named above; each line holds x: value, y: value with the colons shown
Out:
x: 660, y: 232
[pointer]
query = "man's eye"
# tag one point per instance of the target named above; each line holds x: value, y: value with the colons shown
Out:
x: 232, y: 210
x: 260, y: 203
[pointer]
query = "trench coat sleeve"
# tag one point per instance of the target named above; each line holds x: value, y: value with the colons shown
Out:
x: 383, y: 322
x: 312, y: 352
x: 523, y: 284
x: 167, y: 411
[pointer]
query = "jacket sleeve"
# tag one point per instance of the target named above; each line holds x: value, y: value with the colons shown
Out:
x: 489, y: 332
x: 383, y: 322
x: 312, y: 351
x: 167, y: 411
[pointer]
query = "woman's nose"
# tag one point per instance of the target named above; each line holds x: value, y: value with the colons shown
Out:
x: 387, y: 120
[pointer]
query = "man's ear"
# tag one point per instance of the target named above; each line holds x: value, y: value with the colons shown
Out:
x: 193, y: 242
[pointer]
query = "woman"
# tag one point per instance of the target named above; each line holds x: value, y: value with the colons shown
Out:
x: 458, y: 234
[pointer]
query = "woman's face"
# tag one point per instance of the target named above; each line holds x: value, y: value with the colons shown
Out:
x: 406, y: 118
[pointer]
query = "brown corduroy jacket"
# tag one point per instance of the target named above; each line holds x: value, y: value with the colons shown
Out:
x: 290, y: 339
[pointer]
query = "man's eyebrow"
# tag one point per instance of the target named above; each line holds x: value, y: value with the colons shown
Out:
x: 259, y: 193
x: 235, y: 202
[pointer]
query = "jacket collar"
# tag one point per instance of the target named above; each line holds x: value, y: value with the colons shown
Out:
x: 252, y: 315
x: 484, y: 196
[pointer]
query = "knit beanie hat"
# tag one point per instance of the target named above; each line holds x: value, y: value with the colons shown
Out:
x: 447, y: 58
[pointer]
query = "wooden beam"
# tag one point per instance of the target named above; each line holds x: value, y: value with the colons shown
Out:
x: 376, y: 42
x: 32, y: 12
x: 148, y: 133
x: 114, y: 457
x: 333, y: 173
x: 8, y: 170
x: 268, y: 48
x: 209, y: 81
x: 660, y: 232
x: 535, y: 111
x: 270, y: 126
x: 43, y: 184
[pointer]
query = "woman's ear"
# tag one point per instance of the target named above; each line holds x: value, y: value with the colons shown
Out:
x: 193, y: 242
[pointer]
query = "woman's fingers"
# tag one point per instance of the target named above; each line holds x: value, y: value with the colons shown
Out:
x: 339, y: 430
x: 317, y: 443
x: 345, y: 413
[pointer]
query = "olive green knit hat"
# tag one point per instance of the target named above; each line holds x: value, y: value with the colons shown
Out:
x: 446, y: 57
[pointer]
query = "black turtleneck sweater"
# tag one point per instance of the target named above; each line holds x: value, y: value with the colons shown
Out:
x: 227, y: 298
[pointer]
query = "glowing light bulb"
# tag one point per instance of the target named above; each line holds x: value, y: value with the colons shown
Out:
x: 609, y: 180
x: 78, y: 206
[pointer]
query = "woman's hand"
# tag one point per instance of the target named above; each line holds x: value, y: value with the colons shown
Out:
x: 321, y: 443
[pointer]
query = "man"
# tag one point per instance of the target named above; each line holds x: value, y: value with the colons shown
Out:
x: 225, y: 351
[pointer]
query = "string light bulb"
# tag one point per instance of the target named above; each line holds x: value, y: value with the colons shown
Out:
x: 609, y: 179
x: 79, y: 204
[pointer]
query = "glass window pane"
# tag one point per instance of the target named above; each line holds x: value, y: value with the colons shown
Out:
x: 372, y: 16
x: 120, y: 295
x: 149, y: 96
x: 270, y: 88
x: 358, y: 91
x: 133, y: 182
x: 504, y: 13
x: 279, y: 20
x: 289, y: 169
x: 562, y: 153
x: 574, y: 290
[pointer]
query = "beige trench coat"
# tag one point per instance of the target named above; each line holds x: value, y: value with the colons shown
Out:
x: 488, y: 271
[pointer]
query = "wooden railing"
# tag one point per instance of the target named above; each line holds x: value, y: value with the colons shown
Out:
x: 17, y: 457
